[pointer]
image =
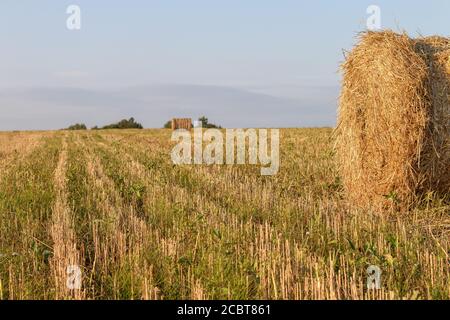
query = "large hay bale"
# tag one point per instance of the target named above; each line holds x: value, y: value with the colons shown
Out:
x: 393, y: 134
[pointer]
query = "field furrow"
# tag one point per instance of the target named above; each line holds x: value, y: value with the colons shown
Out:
x: 67, y: 259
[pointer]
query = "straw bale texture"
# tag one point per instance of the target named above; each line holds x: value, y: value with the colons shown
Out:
x: 393, y: 134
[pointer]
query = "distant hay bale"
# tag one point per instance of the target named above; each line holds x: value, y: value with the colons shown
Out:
x: 393, y: 134
x: 181, y: 123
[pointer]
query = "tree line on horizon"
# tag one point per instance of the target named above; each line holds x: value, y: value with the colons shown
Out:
x: 122, y: 124
x: 132, y: 124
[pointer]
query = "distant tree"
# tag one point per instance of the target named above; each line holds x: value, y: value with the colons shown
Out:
x: 205, y: 123
x: 168, y: 125
x: 77, y: 126
x: 94, y: 128
x: 124, y: 124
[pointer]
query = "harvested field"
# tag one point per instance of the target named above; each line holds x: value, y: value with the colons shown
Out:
x: 139, y: 227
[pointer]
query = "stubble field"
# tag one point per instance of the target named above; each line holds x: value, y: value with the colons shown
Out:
x: 139, y: 227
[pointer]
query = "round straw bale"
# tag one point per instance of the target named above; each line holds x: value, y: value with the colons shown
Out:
x: 393, y: 134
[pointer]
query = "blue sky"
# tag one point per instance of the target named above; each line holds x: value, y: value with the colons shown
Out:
x: 242, y: 63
